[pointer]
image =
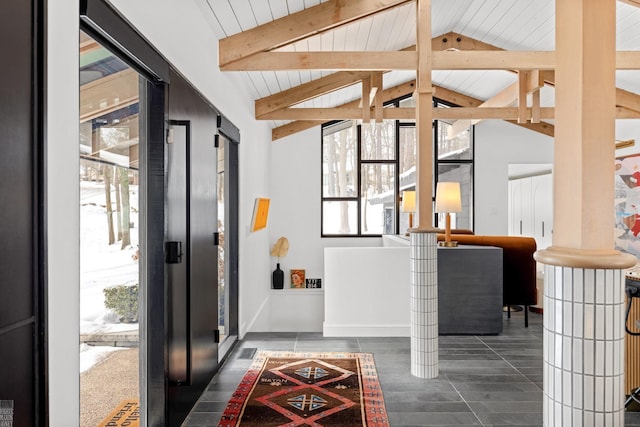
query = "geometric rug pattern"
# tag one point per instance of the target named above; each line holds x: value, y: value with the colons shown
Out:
x: 308, y: 389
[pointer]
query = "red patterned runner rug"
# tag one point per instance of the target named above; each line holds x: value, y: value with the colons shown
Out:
x: 308, y: 389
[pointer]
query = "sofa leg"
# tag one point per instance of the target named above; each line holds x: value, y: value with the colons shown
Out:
x: 508, y: 311
x: 526, y: 316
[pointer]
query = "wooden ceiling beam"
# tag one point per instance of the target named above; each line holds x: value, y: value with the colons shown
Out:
x: 312, y: 89
x: 354, y: 61
x: 628, y: 103
x: 627, y: 99
x: 442, y: 93
x: 452, y: 113
x: 298, y: 126
x: 505, y: 98
x: 293, y: 128
x: 402, y: 60
x: 457, y: 41
x: 298, y: 26
x: 341, y: 79
x: 635, y: 3
x: 309, y: 90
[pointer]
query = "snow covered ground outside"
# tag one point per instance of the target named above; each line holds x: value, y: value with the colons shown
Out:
x: 102, y: 265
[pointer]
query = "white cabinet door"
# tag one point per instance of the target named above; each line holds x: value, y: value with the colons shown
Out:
x: 520, y: 207
x: 531, y: 208
x: 542, y: 187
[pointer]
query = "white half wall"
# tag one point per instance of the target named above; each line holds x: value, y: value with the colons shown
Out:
x: 367, y: 292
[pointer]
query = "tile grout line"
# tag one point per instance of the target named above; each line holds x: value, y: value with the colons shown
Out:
x: 479, y: 338
x: 462, y: 397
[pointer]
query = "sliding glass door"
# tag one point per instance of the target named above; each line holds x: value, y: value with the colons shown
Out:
x: 110, y: 246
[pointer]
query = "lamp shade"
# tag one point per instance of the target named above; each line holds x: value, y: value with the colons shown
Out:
x: 408, y: 201
x: 448, y: 197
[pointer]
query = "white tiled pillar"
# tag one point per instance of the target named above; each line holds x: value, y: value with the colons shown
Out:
x: 424, y: 304
x: 583, y: 339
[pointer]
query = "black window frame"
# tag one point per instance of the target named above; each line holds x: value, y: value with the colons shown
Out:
x: 399, y: 124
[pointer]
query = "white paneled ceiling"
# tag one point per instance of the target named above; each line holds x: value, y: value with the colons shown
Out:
x: 506, y: 24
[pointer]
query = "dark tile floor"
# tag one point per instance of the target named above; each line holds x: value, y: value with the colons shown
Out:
x: 484, y: 380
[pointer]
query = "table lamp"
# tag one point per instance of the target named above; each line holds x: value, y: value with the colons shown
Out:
x: 447, y: 201
x: 409, y: 205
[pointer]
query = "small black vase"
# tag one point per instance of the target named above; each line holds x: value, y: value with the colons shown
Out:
x: 277, y: 278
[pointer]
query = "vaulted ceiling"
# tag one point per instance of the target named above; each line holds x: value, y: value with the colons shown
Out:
x: 309, y: 61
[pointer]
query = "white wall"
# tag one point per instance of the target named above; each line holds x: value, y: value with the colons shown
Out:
x: 294, y: 213
x: 63, y: 214
x: 499, y: 143
x: 295, y: 204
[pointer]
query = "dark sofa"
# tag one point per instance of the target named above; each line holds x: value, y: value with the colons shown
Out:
x: 519, y: 267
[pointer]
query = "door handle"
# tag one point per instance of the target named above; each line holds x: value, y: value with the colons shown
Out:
x: 173, y: 252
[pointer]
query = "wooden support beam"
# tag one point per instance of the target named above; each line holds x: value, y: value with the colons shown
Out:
x: 424, y: 116
x: 366, y: 100
x: 363, y: 61
x: 627, y: 99
x: 635, y: 3
x: 407, y: 113
x: 522, y: 96
x: 376, y: 87
x: 293, y: 128
x: 506, y: 97
x: 399, y: 60
x: 542, y: 127
x: 297, y: 26
x: 456, y: 41
x: 442, y: 93
x: 585, y: 125
x: 535, y: 107
x: 625, y: 113
x: 298, y: 126
x: 307, y: 91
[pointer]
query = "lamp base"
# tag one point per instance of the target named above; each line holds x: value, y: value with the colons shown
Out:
x: 448, y: 244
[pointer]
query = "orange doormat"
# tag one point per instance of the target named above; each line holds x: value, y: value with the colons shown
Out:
x: 310, y: 389
x: 126, y: 414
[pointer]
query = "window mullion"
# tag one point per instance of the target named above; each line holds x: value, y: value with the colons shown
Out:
x: 359, y: 175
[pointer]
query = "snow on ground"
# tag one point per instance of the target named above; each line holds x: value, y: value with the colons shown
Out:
x: 102, y: 265
x: 91, y: 356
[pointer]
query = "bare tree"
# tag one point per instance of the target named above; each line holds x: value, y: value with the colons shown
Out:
x: 124, y: 197
x: 107, y: 173
x: 116, y: 183
x: 342, y: 142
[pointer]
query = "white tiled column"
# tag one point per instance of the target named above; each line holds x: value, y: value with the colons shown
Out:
x: 424, y: 304
x: 583, y: 340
